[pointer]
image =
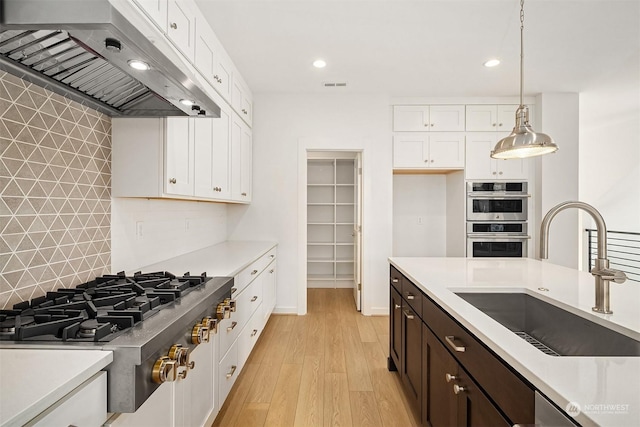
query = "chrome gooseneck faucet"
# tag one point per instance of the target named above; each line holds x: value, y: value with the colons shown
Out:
x: 601, y: 271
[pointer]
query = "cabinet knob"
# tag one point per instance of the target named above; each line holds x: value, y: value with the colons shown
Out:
x: 493, y: 124
x: 174, y: 25
x: 254, y: 272
x: 493, y: 173
x: 396, y: 306
x: 450, y: 377
x: 457, y: 389
x: 254, y: 332
x: 426, y: 125
x: 233, y: 325
x: 395, y: 280
x: 410, y: 296
x: 431, y: 124
x: 172, y: 181
x: 244, y: 111
x: 243, y: 194
x: 232, y: 371
x: 219, y: 80
x: 431, y: 160
x: 499, y: 124
x: 499, y: 173
x: 254, y: 299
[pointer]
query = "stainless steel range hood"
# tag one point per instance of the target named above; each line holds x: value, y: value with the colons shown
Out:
x: 82, y: 50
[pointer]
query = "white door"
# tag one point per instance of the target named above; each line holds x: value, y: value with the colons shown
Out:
x: 357, y: 234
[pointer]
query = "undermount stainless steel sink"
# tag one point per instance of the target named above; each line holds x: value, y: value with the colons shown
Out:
x: 549, y: 328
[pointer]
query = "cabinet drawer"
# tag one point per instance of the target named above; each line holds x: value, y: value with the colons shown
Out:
x: 412, y: 295
x: 228, y: 330
x: 509, y: 392
x: 248, y: 301
x: 245, y: 277
x: 249, y: 336
x: 228, y: 371
x: 395, y: 279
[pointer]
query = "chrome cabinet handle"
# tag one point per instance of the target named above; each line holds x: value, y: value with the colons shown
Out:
x: 255, y: 297
x: 450, y: 340
x: 254, y: 332
x: 174, y: 25
x: 233, y: 325
x: 450, y: 377
x: 457, y: 389
x: 396, y: 306
x: 232, y: 371
x: 408, y: 315
x: 172, y: 181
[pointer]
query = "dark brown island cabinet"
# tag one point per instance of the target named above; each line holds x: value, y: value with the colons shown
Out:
x: 449, y: 377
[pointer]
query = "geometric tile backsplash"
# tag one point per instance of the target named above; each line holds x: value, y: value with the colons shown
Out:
x: 55, y: 186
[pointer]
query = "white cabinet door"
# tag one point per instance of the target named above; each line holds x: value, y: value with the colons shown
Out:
x: 221, y: 161
x: 446, y: 118
x: 241, y: 99
x: 480, y: 165
x: 222, y: 77
x: 236, y: 157
x: 179, y: 156
x: 246, y: 152
x: 410, y: 150
x: 156, y: 10
x: 410, y: 118
x: 270, y: 291
x: 506, y: 117
x: 203, y: 158
x: 205, y: 56
x: 446, y: 150
x: 181, y: 26
x: 157, y: 410
x: 197, y: 390
x: 434, y: 118
x: 227, y: 373
x: 482, y: 118
x: 86, y: 405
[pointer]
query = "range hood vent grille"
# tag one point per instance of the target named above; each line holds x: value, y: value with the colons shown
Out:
x: 60, y: 57
x: 83, y: 50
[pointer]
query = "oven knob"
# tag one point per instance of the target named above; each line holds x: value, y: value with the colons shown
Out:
x: 199, y: 334
x: 163, y: 370
x: 210, y: 323
x: 180, y: 354
x: 231, y: 303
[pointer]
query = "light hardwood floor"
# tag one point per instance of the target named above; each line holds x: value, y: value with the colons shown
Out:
x: 328, y: 368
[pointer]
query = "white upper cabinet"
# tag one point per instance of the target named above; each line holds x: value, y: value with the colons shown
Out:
x: 241, y: 160
x: 480, y: 165
x: 156, y: 10
x: 432, y: 118
x: 442, y: 150
x: 220, y: 165
x: 241, y: 99
x: 179, y: 157
x: 493, y: 118
x: 181, y: 23
x: 211, y: 60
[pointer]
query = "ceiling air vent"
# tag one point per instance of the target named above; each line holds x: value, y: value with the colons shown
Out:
x: 334, y: 84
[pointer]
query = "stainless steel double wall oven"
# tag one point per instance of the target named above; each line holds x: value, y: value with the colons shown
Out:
x: 497, y: 214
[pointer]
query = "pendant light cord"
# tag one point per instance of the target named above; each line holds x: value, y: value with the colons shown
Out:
x: 521, y: 52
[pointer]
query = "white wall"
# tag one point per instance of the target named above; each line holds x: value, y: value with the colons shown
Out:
x: 610, y: 145
x: 169, y: 228
x: 284, y: 127
x: 557, y: 178
x: 419, y: 215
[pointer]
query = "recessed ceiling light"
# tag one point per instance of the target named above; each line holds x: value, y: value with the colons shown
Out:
x: 319, y: 63
x: 138, y: 65
x: 187, y: 102
x: 492, y: 63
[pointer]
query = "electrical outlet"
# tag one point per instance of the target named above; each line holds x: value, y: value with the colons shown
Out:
x: 139, y: 230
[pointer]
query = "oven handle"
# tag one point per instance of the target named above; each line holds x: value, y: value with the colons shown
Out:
x: 498, y: 235
x: 497, y: 196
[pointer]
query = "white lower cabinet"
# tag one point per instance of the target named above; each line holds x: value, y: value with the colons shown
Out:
x: 480, y: 165
x: 84, y: 406
x: 228, y: 372
x: 182, y: 403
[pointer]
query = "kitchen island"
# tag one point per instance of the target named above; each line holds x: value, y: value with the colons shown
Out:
x: 605, y: 389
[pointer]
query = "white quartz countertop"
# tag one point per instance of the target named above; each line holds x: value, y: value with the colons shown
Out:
x: 224, y: 259
x: 607, y: 389
x: 31, y: 381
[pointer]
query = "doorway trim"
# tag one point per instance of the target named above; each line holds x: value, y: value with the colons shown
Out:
x: 306, y: 145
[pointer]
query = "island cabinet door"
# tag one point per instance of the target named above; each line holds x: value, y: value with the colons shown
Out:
x: 395, y: 327
x: 474, y: 408
x: 411, y: 356
x: 439, y: 406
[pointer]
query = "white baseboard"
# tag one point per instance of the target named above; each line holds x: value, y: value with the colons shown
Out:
x: 378, y: 311
x: 285, y: 310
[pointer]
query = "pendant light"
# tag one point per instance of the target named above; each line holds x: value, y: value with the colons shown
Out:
x: 523, y: 141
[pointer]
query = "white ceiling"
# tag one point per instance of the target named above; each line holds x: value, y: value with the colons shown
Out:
x: 428, y: 47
